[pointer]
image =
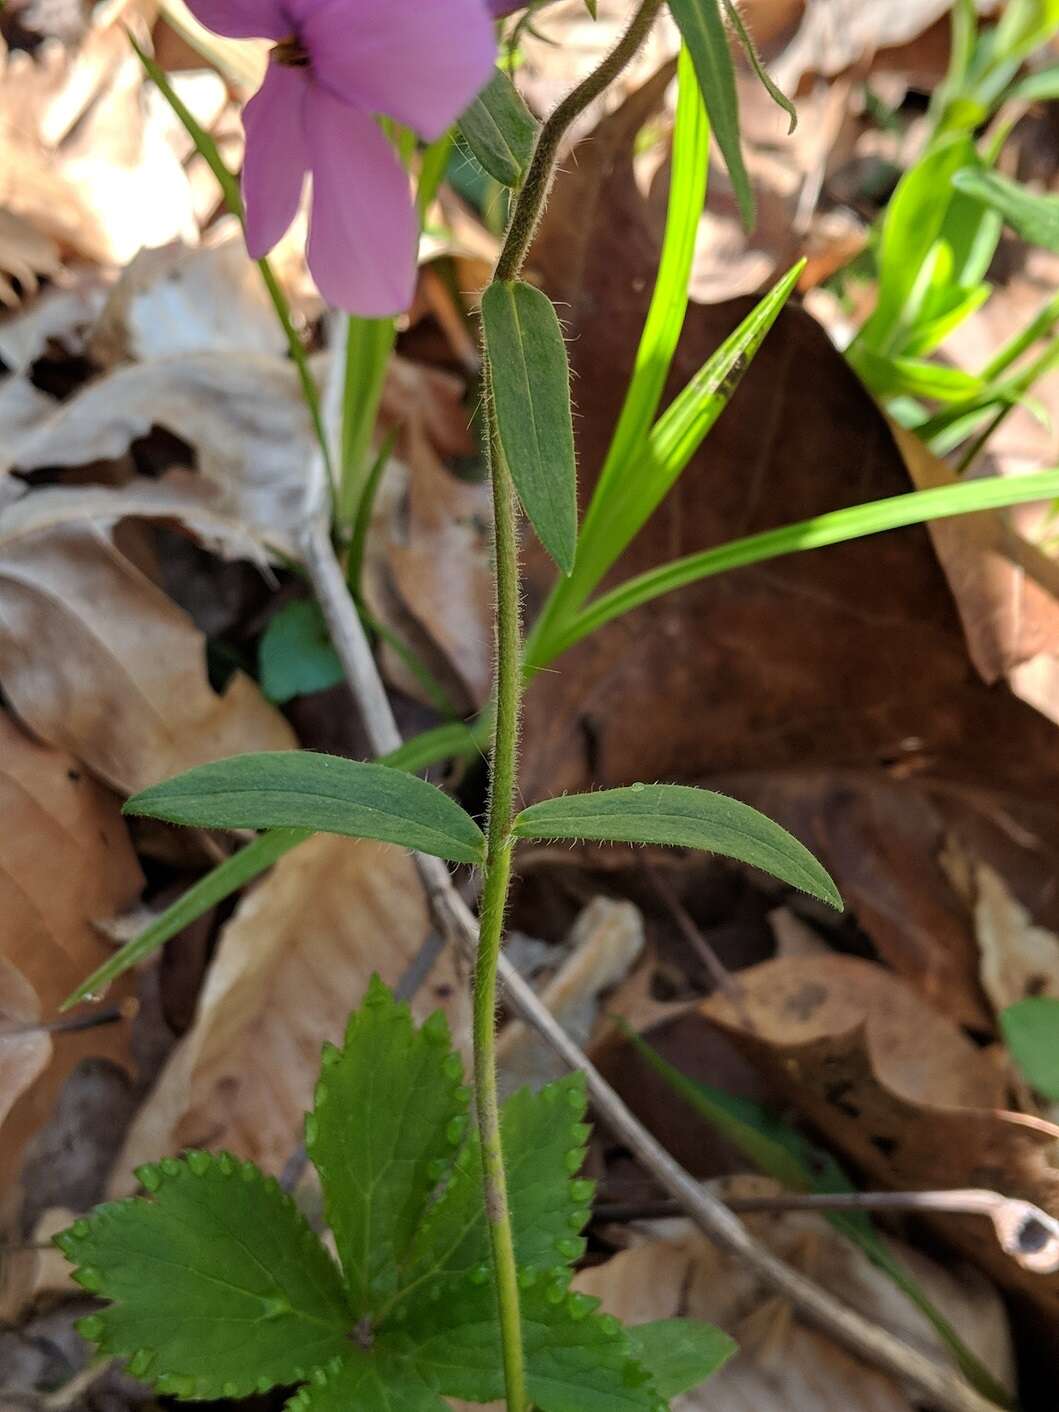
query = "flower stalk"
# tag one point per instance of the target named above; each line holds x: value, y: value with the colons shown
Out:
x: 507, y: 719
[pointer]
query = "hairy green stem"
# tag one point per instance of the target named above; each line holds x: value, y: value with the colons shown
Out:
x: 507, y: 717
x: 534, y: 193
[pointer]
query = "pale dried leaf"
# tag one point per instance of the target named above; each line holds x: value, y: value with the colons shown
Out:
x: 65, y: 859
x: 292, y: 963
x: 25, y: 256
x: 243, y: 417
x: 24, y: 1053
x: 899, y: 1090
x: 605, y: 942
x: 28, y: 1274
x: 783, y: 1365
x: 179, y: 299
x: 98, y: 661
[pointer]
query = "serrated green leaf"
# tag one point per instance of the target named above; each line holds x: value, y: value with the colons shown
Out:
x: 684, y: 818
x: 530, y: 387
x: 1031, y: 1032
x: 220, y: 1287
x: 1033, y: 216
x: 390, y: 1109
x: 297, y: 789
x: 702, y: 27
x: 680, y: 1353
x: 366, y: 1382
x: 544, y: 1138
x: 295, y: 655
x: 576, y: 1360
x: 500, y: 130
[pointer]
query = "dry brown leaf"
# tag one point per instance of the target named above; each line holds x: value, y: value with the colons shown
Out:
x: 1018, y: 958
x: 292, y: 963
x: 85, y: 159
x: 25, y: 255
x: 180, y: 299
x: 24, y: 1053
x: 898, y: 1089
x: 243, y: 417
x: 1006, y: 589
x: 65, y: 860
x: 605, y: 942
x: 27, y: 1274
x: 98, y: 661
x: 783, y: 1365
x: 428, y: 566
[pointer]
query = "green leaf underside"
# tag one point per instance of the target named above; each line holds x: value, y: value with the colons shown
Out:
x: 220, y: 1286
x: 500, y: 130
x: 297, y: 789
x: 544, y: 1147
x: 682, y: 817
x: 389, y: 1113
x: 681, y: 1353
x: 530, y: 387
x: 1031, y: 1030
x: 703, y: 31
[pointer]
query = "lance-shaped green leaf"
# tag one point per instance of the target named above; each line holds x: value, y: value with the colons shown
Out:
x: 680, y: 1353
x: 684, y: 818
x: 544, y: 1139
x: 702, y: 27
x: 530, y: 386
x: 299, y: 790
x: 1033, y: 216
x: 389, y: 1114
x: 219, y: 1286
x: 500, y: 130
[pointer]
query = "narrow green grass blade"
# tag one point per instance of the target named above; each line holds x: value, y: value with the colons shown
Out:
x: 529, y: 382
x: 681, y: 817
x: 674, y: 439
x: 326, y: 793
x: 369, y: 344
x: 781, y: 1152
x: 227, y: 877
x: 836, y: 527
x: 658, y: 342
x: 702, y: 27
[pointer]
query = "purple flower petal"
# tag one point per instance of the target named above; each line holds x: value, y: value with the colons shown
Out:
x: 242, y: 19
x: 277, y: 156
x: 419, y: 61
x: 363, y: 227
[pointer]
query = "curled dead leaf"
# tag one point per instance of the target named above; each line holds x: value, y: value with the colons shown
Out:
x: 98, y: 661
x: 899, y: 1090
x: 65, y: 860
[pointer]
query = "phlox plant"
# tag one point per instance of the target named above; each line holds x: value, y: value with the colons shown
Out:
x: 454, y: 1240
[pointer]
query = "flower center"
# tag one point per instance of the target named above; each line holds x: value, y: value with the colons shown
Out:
x: 291, y: 53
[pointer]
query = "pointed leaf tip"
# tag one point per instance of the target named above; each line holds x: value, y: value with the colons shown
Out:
x: 682, y: 817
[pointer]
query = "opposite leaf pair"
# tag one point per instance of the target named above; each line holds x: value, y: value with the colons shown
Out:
x: 220, y: 1288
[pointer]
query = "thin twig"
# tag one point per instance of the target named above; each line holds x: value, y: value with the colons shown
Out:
x: 452, y: 916
x: 1025, y: 1232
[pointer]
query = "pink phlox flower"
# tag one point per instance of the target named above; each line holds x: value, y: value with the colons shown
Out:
x: 336, y: 66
